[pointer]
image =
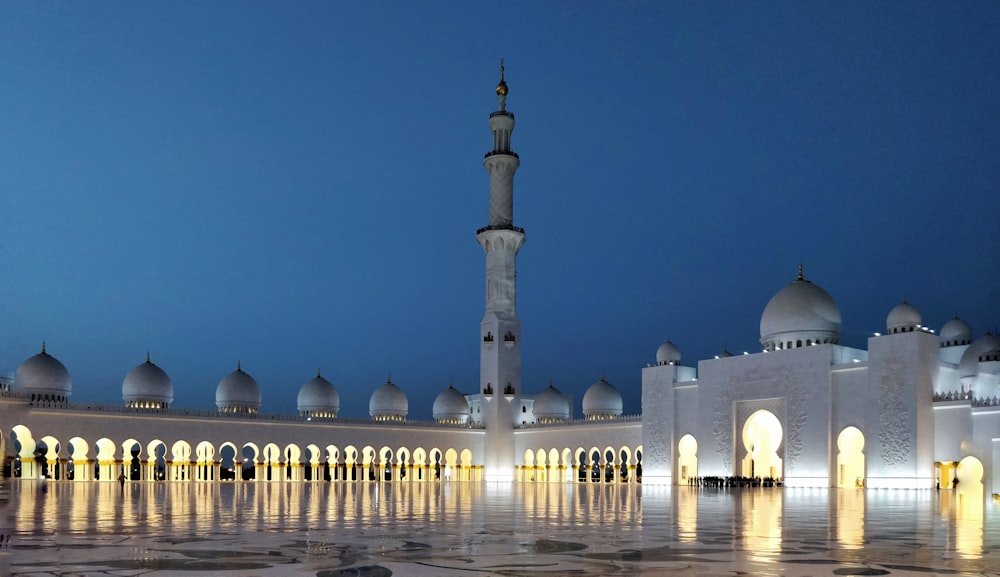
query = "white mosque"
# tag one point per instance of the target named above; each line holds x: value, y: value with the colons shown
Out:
x: 918, y: 409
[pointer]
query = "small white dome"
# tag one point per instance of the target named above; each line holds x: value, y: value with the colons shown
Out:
x: 388, y: 403
x: 238, y: 392
x: 318, y: 397
x: 44, y: 377
x: 668, y: 354
x: 968, y: 367
x: 955, y: 332
x: 147, y: 386
x: 451, y: 406
x: 551, y: 406
x: 602, y: 400
x: 903, y: 318
x: 800, y: 314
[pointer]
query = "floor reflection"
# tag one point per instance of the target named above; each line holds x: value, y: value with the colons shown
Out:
x: 465, y: 528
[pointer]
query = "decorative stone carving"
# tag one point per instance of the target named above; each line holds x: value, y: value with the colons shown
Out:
x: 656, y: 452
x: 894, y: 433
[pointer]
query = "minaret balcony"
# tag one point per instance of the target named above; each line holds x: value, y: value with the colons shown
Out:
x: 500, y: 227
x: 500, y: 152
x: 501, y: 113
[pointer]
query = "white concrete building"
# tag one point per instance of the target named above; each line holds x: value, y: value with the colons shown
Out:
x: 914, y: 410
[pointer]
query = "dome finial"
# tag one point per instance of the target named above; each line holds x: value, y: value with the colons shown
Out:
x: 800, y: 278
x: 238, y: 365
x: 602, y: 375
x: 147, y: 358
x: 502, y: 89
x: 318, y: 372
x: 43, y: 348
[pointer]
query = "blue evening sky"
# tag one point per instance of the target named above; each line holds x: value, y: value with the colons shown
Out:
x: 298, y: 185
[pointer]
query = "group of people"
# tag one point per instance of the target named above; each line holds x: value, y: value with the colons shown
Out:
x: 719, y: 482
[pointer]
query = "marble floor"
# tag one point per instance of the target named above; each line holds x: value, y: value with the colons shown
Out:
x: 453, y: 529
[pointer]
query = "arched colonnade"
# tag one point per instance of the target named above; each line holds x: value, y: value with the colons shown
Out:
x: 157, y: 460
x: 582, y: 465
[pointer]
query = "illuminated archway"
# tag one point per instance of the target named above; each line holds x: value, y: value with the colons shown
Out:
x: 131, y: 461
x: 969, y: 492
x: 292, y: 463
x: 205, y: 453
x: 48, y: 452
x: 385, y: 464
x: 156, y: 461
x: 230, y: 464
x: 249, y: 465
x: 367, y: 463
x: 687, y: 459
x: 553, y: 473
x: 465, y: 462
x: 851, y: 458
x: 271, y: 466
x: 25, y: 465
x: 403, y: 463
x: 108, y: 466
x: 762, y: 434
x: 79, y: 461
x: 420, y: 464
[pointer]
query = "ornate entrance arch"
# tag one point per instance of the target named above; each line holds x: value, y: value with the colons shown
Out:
x: 762, y: 435
x: 851, y: 458
x: 687, y: 459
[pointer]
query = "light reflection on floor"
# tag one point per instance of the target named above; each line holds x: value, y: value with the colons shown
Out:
x: 451, y: 529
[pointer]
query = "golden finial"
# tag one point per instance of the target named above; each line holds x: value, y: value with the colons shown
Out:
x: 502, y: 87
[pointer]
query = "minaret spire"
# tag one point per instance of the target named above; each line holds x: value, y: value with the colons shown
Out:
x: 502, y: 91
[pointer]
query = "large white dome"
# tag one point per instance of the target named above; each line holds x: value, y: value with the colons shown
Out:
x: 602, y: 401
x: 903, y: 318
x: 551, y: 406
x: 44, y: 377
x: 955, y: 332
x: 799, y: 315
x: 318, y: 398
x: 238, y: 392
x: 388, y: 403
x: 451, y: 406
x: 147, y: 386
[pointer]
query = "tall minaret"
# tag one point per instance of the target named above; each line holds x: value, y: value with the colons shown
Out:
x: 500, y: 356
